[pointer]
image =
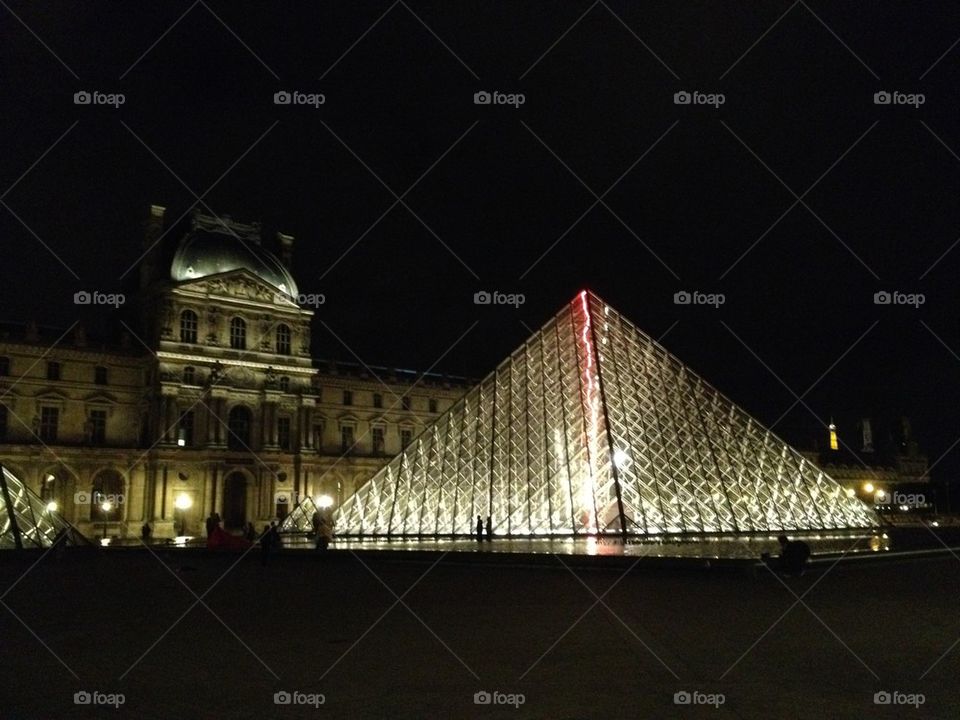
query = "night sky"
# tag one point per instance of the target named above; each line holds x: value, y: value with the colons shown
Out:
x: 695, y: 192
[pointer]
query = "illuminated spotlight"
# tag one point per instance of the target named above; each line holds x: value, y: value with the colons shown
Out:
x: 49, y: 478
x: 935, y: 523
x: 880, y: 496
x: 868, y: 487
x: 52, y: 506
x: 620, y: 458
x: 106, y: 506
x: 904, y: 508
x: 324, y: 501
x: 850, y: 492
x: 183, y: 502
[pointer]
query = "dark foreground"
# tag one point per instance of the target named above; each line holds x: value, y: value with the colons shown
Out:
x: 332, y: 626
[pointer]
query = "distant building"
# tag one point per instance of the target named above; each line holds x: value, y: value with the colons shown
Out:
x: 880, y: 462
x: 211, y: 401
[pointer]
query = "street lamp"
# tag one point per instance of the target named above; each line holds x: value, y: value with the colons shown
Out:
x: 324, y: 501
x: 52, y: 506
x: 182, y: 503
x: 105, y: 507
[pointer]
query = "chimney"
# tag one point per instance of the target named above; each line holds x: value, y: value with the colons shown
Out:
x: 153, y: 229
x: 286, y: 250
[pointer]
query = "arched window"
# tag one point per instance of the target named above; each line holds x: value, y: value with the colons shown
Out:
x: 283, y: 340
x: 106, y: 497
x: 239, y: 422
x: 189, y: 375
x: 188, y: 326
x: 238, y: 334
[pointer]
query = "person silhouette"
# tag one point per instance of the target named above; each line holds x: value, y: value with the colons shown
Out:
x: 479, y: 529
x: 489, y: 528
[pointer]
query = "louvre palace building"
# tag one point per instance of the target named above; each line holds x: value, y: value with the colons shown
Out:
x: 209, y: 401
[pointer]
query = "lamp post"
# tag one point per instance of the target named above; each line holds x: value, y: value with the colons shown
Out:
x: 105, y: 507
x: 182, y: 503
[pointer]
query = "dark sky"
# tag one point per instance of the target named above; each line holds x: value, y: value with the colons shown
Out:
x: 798, y: 98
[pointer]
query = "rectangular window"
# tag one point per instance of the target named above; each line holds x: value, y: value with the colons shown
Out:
x: 4, y: 366
x: 49, y: 420
x: 98, y: 427
x: 347, y: 397
x: 283, y: 432
x: 405, y: 402
x: 185, y: 430
x: 377, y: 400
x: 378, y: 446
x: 405, y: 437
x: 53, y: 370
x: 433, y: 405
x: 100, y: 375
x: 346, y: 438
x: 318, y: 437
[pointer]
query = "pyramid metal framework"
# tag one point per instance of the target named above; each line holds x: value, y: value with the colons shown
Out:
x: 300, y: 519
x: 591, y: 428
x: 25, y: 521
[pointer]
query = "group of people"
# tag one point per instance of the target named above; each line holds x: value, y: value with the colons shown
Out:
x: 322, y: 529
x: 481, y: 528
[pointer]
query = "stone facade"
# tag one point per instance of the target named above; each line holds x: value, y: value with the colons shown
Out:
x: 214, y: 401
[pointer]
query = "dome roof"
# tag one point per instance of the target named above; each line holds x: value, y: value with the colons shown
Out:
x: 211, y: 248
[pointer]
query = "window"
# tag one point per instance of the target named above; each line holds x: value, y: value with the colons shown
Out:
x: 238, y: 423
x: 433, y: 405
x: 283, y: 340
x: 4, y: 366
x: 378, y: 446
x: 346, y: 438
x: 406, y: 435
x: 318, y: 437
x: 100, y: 375
x: 284, y: 383
x: 49, y: 420
x: 3, y: 422
x: 185, y: 429
x: 238, y: 334
x: 405, y: 402
x: 98, y: 427
x: 348, y: 397
x: 107, y: 492
x: 188, y: 326
x: 189, y: 375
x: 283, y: 433
x: 53, y: 370
x: 377, y: 400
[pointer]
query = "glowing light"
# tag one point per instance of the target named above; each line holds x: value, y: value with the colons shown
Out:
x: 183, y: 502
x: 880, y: 496
x: 323, y: 501
x: 834, y: 443
x: 620, y: 458
x: 52, y: 506
x: 49, y: 478
x: 850, y: 492
x: 868, y: 487
x: 106, y: 506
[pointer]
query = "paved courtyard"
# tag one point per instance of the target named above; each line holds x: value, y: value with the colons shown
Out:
x: 397, y: 637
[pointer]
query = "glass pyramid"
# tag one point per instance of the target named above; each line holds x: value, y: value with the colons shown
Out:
x: 300, y: 519
x: 25, y: 520
x: 593, y: 428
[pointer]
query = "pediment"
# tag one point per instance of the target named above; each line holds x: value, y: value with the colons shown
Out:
x: 240, y: 284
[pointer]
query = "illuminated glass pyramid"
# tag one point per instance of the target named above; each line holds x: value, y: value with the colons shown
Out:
x: 26, y: 521
x: 591, y: 427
